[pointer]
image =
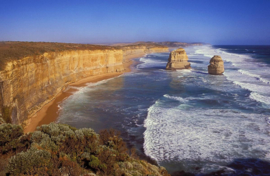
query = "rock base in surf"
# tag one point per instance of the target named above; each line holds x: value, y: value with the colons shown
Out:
x: 178, y: 60
x: 216, y: 66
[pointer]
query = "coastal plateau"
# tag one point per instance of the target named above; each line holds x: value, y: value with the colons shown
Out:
x: 32, y: 73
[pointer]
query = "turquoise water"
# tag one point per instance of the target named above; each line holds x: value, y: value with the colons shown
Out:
x: 186, y: 120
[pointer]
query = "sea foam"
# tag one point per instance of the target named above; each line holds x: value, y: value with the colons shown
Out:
x: 204, y: 135
x: 260, y: 98
x: 207, y: 135
x: 252, y: 74
x: 255, y: 76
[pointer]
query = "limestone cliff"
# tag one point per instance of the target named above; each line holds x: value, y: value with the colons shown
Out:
x: 171, y: 44
x: 216, y: 66
x: 178, y: 44
x: 135, y: 50
x: 34, y: 78
x: 28, y: 83
x: 140, y: 48
x: 178, y: 60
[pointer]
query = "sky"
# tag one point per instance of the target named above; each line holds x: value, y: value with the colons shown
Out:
x: 217, y: 22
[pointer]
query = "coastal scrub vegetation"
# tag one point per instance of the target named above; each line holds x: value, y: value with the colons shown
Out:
x: 59, y: 149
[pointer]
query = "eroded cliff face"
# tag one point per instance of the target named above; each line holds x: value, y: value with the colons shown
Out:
x: 178, y: 60
x: 131, y: 50
x: 216, y: 66
x: 29, y: 83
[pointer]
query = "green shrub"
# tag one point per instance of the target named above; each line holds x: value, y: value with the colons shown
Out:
x: 12, y: 139
x: 96, y: 164
x: 58, y: 149
x: 31, y: 162
x: 111, y: 138
x: 9, y: 132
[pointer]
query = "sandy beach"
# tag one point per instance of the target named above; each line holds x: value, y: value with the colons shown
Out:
x: 50, y: 111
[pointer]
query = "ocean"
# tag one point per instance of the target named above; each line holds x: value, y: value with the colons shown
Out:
x: 187, y: 119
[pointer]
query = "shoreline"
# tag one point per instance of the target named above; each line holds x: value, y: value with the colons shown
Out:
x: 50, y: 111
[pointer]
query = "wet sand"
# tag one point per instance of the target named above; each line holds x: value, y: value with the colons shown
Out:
x: 49, y: 112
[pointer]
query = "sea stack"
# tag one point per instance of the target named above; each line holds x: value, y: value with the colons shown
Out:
x: 216, y: 66
x: 178, y: 60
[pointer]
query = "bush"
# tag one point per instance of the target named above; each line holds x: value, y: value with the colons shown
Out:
x: 111, y: 138
x: 12, y: 139
x: 31, y: 162
x: 58, y: 149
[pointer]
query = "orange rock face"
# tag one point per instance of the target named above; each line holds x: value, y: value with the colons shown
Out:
x: 178, y: 60
x: 216, y: 66
x: 28, y: 84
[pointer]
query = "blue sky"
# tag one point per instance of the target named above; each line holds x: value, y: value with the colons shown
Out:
x: 243, y: 22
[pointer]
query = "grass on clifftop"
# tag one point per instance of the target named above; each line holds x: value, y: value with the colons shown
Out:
x: 59, y: 149
x: 17, y: 50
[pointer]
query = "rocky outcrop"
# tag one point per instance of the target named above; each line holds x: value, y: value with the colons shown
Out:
x: 216, y: 66
x: 178, y: 60
x: 30, y: 82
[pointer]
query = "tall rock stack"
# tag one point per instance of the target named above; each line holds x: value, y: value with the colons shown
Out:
x: 216, y: 66
x: 178, y: 60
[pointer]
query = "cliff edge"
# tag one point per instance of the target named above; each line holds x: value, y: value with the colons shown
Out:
x: 33, y: 73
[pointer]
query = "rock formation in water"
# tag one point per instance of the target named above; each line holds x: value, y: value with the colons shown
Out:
x: 178, y: 60
x: 216, y: 66
x: 33, y: 73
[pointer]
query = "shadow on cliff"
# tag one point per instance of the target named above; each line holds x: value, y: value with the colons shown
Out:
x: 239, y: 167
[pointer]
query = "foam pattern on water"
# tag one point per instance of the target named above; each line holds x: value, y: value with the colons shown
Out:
x: 250, y: 75
x: 206, y: 135
x: 260, y: 98
x: 175, y: 98
x: 151, y: 61
x: 187, y: 116
x: 213, y: 128
x: 256, y: 76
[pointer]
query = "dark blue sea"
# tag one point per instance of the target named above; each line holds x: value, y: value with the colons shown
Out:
x: 187, y: 120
